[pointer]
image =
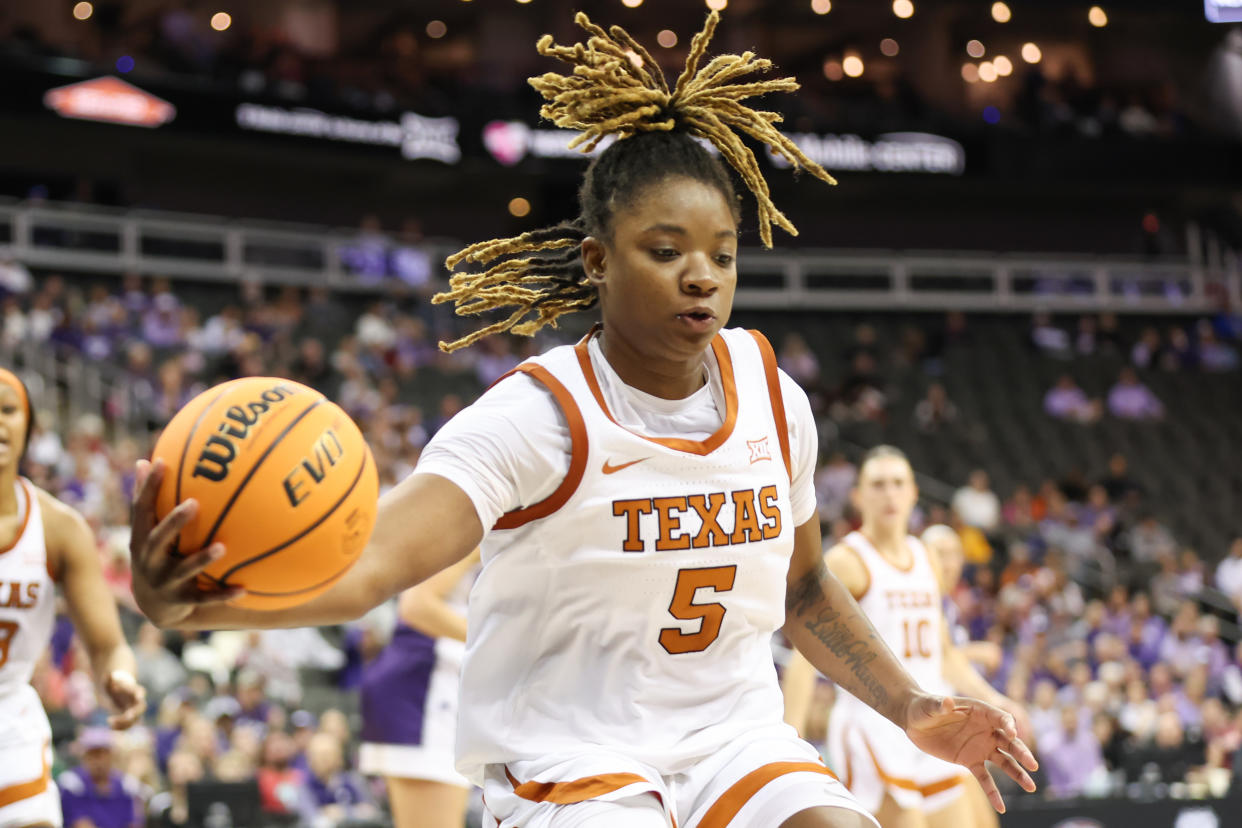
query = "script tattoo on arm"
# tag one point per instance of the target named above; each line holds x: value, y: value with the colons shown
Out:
x: 847, y: 635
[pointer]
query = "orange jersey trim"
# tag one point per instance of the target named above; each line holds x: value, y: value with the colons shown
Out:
x: 909, y: 784
x: 25, y: 790
x: 700, y: 447
x: 578, y: 456
x: 775, y: 395
x: 579, y: 790
x: 21, y: 530
x: 903, y: 569
x: 735, y: 798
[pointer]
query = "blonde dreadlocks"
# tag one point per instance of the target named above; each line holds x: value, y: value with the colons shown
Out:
x: 617, y: 89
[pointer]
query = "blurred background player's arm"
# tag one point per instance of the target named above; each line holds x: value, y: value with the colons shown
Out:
x: 798, y: 681
x: 423, y: 524
x: 425, y: 609
x: 75, y: 563
x: 956, y: 666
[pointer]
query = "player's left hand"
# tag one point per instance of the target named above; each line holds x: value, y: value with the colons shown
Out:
x: 126, y: 696
x: 969, y: 732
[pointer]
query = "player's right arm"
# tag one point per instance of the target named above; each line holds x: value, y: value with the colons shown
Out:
x: 799, y: 677
x: 423, y: 525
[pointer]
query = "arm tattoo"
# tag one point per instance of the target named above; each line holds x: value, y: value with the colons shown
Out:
x: 807, y: 602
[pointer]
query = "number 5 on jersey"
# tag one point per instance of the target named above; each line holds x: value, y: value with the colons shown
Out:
x: 683, y: 608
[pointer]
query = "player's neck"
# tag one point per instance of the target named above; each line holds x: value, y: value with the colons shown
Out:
x: 8, y: 492
x: 889, y: 541
x: 668, y: 379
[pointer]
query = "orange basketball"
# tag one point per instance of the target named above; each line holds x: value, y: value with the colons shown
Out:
x: 283, y: 479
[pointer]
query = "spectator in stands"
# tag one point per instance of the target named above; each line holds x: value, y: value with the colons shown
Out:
x: 1149, y: 541
x: 1229, y: 573
x: 1071, y: 756
x: 1049, y: 339
x: 977, y: 504
x: 95, y: 794
x: 367, y: 255
x: 1130, y: 399
x: 1066, y: 401
x: 15, y: 277
x: 861, y: 397
x: 159, y: 671
x: 1172, y: 751
x: 798, y: 360
x: 280, y: 783
x: 171, y: 808
x: 410, y: 262
x: 934, y: 410
x: 1214, y: 355
x: 330, y: 794
x: 1146, y: 352
x: 1139, y: 712
x: 833, y: 482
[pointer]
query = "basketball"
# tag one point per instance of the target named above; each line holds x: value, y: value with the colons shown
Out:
x: 283, y: 479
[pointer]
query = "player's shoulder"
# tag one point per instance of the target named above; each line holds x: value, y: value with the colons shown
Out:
x: 851, y: 570
x: 61, y: 522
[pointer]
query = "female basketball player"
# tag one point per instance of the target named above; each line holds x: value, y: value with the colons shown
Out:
x: 409, y: 703
x: 44, y: 542
x: 644, y: 500
x: 897, y: 581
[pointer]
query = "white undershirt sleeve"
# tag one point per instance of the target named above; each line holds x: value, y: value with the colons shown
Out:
x: 803, y: 449
x: 510, y: 449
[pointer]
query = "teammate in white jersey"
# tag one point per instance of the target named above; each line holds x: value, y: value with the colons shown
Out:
x: 644, y: 501
x: 897, y: 582
x: 43, y: 543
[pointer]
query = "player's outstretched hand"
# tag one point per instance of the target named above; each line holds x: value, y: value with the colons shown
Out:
x: 165, y: 582
x: 126, y: 696
x: 969, y: 732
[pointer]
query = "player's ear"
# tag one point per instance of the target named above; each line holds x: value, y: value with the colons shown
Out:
x: 594, y: 260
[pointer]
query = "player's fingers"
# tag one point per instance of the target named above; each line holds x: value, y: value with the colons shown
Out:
x: 147, y: 479
x: 186, y: 568
x: 165, y: 533
x: 1017, y: 748
x: 989, y: 787
x: 1012, y: 769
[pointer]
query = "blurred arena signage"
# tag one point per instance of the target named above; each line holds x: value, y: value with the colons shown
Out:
x: 111, y: 100
x: 415, y: 135
x: 1223, y: 11
x: 894, y: 152
x: 509, y: 142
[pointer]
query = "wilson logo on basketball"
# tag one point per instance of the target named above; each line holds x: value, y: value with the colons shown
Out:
x: 221, y: 448
x: 312, y: 470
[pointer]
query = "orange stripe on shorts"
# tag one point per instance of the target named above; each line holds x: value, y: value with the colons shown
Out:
x: 731, y: 801
x: 25, y: 790
x: 579, y: 790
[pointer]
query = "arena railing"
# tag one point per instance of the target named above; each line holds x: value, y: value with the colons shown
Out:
x: 211, y: 248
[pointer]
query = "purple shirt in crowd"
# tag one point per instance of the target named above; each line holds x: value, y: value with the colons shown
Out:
x: 119, y: 806
x: 1069, y: 761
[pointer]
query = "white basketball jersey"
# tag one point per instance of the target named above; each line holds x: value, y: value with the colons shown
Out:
x: 904, y: 606
x: 632, y: 610
x: 27, y: 596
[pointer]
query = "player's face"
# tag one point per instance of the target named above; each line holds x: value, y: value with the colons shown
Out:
x: 12, y: 426
x: 667, y: 278
x: 886, y: 492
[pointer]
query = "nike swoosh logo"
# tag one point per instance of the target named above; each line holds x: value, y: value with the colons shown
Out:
x: 611, y: 469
